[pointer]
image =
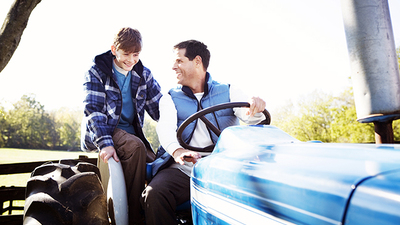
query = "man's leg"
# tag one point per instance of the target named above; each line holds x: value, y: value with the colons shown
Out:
x: 132, y: 154
x: 169, y: 188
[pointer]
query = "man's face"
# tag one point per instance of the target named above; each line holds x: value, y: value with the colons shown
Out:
x: 124, y: 59
x: 183, y: 67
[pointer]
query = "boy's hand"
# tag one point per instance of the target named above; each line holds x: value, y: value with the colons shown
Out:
x: 107, y: 153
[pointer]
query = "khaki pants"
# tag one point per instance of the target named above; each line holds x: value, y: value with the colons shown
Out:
x: 133, y: 155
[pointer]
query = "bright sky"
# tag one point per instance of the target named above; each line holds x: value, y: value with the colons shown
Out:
x: 277, y: 49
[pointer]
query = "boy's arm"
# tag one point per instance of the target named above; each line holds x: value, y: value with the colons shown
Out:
x: 94, y: 103
x: 107, y: 153
x: 153, y: 96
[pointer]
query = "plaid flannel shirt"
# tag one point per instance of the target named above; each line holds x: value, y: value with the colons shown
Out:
x: 103, y: 101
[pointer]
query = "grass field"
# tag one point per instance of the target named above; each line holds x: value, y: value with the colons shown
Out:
x: 11, y: 155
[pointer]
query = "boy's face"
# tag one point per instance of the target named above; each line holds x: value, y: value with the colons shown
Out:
x: 124, y: 59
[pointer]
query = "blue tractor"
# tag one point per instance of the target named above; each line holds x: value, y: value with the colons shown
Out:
x: 261, y: 175
x: 280, y: 180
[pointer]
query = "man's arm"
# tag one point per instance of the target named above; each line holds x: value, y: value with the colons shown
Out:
x: 252, y: 115
x: 167, y: 125
x: 166, y: 131
x: 180, y: 155
x: 257, y: 105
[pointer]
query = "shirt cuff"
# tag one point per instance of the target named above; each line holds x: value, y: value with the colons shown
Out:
x: 172, y: 147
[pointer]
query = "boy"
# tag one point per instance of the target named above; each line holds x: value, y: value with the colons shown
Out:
x: 118, y: 90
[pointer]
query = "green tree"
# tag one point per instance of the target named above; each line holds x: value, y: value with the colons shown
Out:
x: 149, y: 129
x: 30, y: 126
x: 3, y: 125
x: 68, y: 127
x: 326, y: 118
x: 345, y: 128
x: 309, y: 119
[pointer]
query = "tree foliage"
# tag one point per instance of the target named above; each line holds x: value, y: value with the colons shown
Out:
x: 68, y: 127
x: 28, y: 125
x: 324, y: 117
x: 149, y: 129
x: 3, y: 123
x: 327, y: 118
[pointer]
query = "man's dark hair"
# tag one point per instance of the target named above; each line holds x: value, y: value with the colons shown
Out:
x: 195, y: 48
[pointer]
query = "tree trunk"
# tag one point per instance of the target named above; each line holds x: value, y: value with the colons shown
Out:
x: 13, y: 27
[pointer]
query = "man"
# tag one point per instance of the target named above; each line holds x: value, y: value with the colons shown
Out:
x: 118, y: 90
x: 171, y: 186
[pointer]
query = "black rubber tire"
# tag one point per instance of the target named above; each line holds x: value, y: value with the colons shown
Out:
x: 68, y: 192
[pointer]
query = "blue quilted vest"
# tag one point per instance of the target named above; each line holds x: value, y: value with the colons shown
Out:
x: 186, y: 104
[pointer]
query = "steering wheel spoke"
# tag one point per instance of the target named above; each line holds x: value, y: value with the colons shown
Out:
x: 200, y: 115
x: 211, y: 126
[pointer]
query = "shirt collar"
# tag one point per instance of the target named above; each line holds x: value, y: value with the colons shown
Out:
x: 119, y: 69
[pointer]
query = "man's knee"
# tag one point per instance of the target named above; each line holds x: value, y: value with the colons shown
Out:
x: 151, y: 193
x: 150, y: 197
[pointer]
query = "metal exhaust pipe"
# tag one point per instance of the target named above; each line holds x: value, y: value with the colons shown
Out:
x: 374, y: 65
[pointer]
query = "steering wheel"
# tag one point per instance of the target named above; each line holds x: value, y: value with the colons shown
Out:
x: 200, y: 115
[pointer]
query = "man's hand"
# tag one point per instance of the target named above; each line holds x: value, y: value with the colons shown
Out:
x: 256, y: 105
x: 107, y: 153
x: 180, y: 155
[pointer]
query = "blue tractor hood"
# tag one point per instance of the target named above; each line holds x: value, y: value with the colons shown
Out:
x: 260, y: 173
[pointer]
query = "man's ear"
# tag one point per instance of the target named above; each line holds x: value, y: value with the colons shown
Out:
x: 198, y: 61
x: 113, y: 50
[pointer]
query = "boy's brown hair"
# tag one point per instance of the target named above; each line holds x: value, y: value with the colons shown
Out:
x: 128, y: 40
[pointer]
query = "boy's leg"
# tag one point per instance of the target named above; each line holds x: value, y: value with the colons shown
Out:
x: 151, y: 156
x: 132, y: 154
x: 168, y: 189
